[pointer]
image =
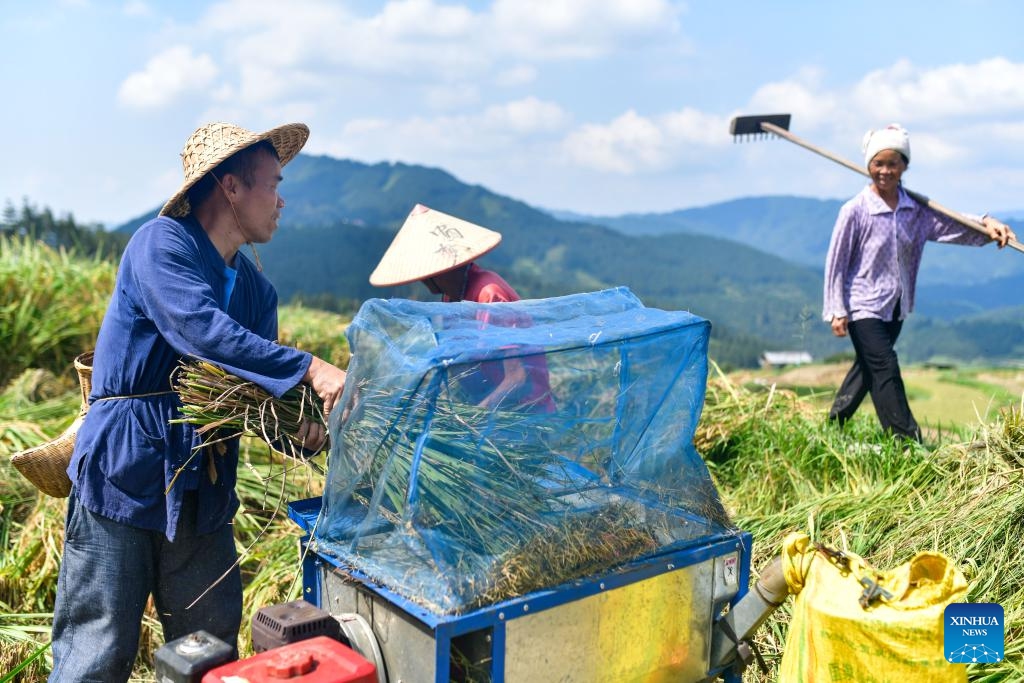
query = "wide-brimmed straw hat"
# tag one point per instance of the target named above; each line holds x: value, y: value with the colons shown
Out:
x: 213, y: 143
x: 46, y: 465
x: 429, y: 243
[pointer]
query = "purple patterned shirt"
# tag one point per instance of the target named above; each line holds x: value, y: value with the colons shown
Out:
x: 875, y: 254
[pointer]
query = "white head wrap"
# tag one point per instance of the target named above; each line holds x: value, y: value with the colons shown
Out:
x: 893, y: 136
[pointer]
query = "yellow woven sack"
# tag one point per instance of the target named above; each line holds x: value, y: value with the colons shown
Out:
x: 898, y: 638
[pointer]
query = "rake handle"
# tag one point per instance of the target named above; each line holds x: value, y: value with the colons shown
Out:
x: 919, y: 198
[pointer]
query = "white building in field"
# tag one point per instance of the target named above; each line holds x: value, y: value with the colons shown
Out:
x: 780, y: 359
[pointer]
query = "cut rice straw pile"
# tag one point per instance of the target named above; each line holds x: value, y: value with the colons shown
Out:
x: 781, y: 467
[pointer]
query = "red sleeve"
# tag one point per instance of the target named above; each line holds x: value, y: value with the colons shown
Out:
x: 493, y: 293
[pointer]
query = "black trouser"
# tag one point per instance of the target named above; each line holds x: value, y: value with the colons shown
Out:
x: 876, y: 370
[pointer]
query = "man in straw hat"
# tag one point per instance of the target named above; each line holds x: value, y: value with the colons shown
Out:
x: 146, y: 515
x: 439, y: 250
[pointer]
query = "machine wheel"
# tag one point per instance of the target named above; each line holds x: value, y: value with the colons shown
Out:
x: 361, y: 638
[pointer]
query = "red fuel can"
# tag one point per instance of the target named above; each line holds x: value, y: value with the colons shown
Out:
x: 316, y: 660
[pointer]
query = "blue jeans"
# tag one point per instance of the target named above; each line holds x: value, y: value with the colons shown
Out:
x: 108, y: 572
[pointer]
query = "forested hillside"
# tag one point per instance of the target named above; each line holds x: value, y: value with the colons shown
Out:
x: 798, y: 229
x: 752, y: 266
x: 754, y: 300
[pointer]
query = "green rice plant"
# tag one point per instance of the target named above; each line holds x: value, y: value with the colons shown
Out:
x: 267, y: 539
x: 26, y: 421
x: 32, y: 524
x: 51, y: 305
x: 28, y: 567
x: 1009, y: 440
x: 23, y: 657
x: 319, y: 332
x: 32, y: 531
x: 224, y: 406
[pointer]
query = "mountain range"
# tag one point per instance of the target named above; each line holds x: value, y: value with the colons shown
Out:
x: 752, y: 266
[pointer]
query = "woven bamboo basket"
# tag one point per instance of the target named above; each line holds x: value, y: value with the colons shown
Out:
x: 46, y: 465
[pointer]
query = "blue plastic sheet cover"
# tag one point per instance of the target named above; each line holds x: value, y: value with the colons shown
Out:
x: 456, y: 488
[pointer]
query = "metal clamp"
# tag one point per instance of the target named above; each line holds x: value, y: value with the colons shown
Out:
x: 836, y: 557
x: 873, y: 592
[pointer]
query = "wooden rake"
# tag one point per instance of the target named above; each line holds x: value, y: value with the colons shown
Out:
x: 766, y: 125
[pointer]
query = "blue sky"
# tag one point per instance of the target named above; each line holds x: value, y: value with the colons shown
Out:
x: 595, y: 106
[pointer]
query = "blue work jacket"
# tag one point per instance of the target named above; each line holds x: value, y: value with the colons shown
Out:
x: 169, y: 303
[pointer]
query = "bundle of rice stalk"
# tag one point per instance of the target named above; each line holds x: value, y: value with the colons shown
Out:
x: 222, y: 406
x: 489, y: 484
x: 476, y: 490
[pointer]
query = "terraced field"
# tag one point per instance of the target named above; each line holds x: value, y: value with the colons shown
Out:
x: 940, y: 397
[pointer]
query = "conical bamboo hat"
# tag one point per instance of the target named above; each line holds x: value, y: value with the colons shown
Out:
x: 429, y: 243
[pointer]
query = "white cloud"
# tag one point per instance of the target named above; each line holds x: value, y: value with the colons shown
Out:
x: 958, y: 115
x: 1012, y: 131
x: 508, y: 134
x: 929, y: 149
x: 136, y: 8
x: 451, y: 96
x: 967, y: 146
x: 407, y: 38
x: 632, y: 144
x: 418, y: 40
x: 164, y: 183
x: 906, y: 92
x: 365, y: 126
x: 629, y: 143
x: 411, y: 19
x: 919, y: 98
x: 832, y: 117
x: 521, y: 74
x: 488, y: 87
x: 166, y: 77
x: 573, y: 18
x: 527, y: 116
x: 579, y: 29
x: 803, y: 96
x: 431, y: 141
x: 260, y: 85
x: 694, y: 127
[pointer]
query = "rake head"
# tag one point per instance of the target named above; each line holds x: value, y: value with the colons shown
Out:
x: 745, y: 127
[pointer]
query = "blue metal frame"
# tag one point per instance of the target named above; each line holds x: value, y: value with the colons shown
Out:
x: 494, y: 617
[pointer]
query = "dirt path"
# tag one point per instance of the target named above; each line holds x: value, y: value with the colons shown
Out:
x: 824, y: 376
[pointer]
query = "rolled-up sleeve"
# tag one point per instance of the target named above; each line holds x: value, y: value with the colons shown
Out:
x: 944, y: 229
